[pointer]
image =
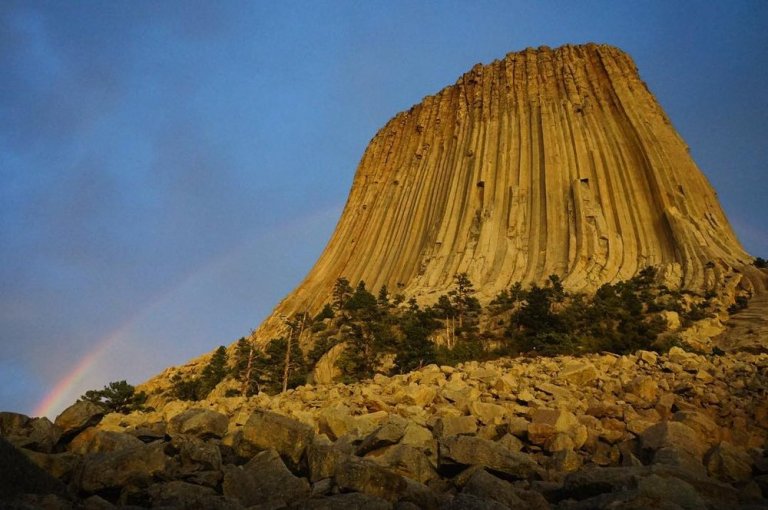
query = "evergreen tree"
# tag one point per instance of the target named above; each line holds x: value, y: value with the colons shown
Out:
x: 116, y: 397
x: 325, y: 313
x: 362, y: 303
x: 464, y: 302
x: 271, y: 367
x: 383, y: 298
x: 214, y: 372
x: 244, y: 368
x: 416, y: 349
x: 341, y: 293
x: 359, y: 359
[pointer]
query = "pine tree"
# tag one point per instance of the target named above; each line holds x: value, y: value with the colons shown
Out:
x: 341, y: 292
x: 117, y: 397
x: 244, y: 368
x: 214, y: 372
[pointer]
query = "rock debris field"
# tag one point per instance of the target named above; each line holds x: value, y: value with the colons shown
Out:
x: 680, y: 430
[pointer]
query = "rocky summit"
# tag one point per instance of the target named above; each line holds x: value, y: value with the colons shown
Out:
x: 678, y: 430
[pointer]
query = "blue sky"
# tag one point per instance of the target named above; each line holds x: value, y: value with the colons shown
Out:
x: 170, y: 170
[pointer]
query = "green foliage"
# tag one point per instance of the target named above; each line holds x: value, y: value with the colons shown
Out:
x: 416, y: 349
x: 361, y: 355
x: 197, y: 388
x: 761, y: 263
x: 362, y: 303
x: 271, y: 367
x: 325, y: 313
x: 245, y: 366
x: 617, y: 318
x: 117, y: 397
x: 342, y: 291
x: 185, y: 389
x: 542, y: 319
x: 214, y: 372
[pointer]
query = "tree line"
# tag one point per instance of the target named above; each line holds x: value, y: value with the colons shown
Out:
x: 386, y: 333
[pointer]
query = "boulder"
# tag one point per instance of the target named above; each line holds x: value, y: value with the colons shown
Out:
x: 324, y: 457
x: 178, y: 494
x: 58, y: 465
x: 290, y: 438
x: 389, y: 433
x: 460, y: 451
x: 335, y: 421
x: 406, y: 461
x: 19, y: 475
x: 419, y: 395
x: 707, y: 429
x: 93, y: 440
x: 199, y: 422
x: 590, y: 482
x: 644, y: 388
x: 37, y: 434
x: 484, y: 485
x: 264, y: 480
x: 455, y: 425
x: 370, y: 478
x: 77, y: 417
x: 466, y: 501
x: 489, y: 414
x: 672, y: 490
x: 348, y: 501
x: 673, y: 434
x: 578, y: 373
x: 114, y: 470
x: 547, y: 423
x: 194, y: 455
x: 729, y: 463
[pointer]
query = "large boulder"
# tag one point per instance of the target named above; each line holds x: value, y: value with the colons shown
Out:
x: 389, y: 433
x: 290, y: 438
x: 93, y: 440
x: 199, y: 422
x: 591, y: 482
x: 179, y: 494
x: 406, y: 461
x: 673, y: 434
x: 454, y: 425
x: 264, y: 480
x: 59, y: 465
x: 324, y: 457
x: 347, y: 501
x: 77, y: 417
x: 370, y: 478
x: 547, y: 424
x: 462, y: 451
x: 19, y: 475
x: 729, y: 463
x: 578, y: 373
x: 37, y: 434
x: 114, y: 470
x: 194, y: 455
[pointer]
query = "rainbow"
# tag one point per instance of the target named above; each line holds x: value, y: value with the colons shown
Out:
x: 64, y: 390
x: 60, y: 394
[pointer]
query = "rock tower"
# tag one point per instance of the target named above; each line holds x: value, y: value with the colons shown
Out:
x: 549, y: 161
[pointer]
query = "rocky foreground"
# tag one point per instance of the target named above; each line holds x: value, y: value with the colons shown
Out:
x: 643, y: 431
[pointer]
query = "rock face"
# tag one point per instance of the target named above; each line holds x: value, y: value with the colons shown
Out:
x: 548, y: 161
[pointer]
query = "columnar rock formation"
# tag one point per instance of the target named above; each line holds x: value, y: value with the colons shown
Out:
x: 549, y: 161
